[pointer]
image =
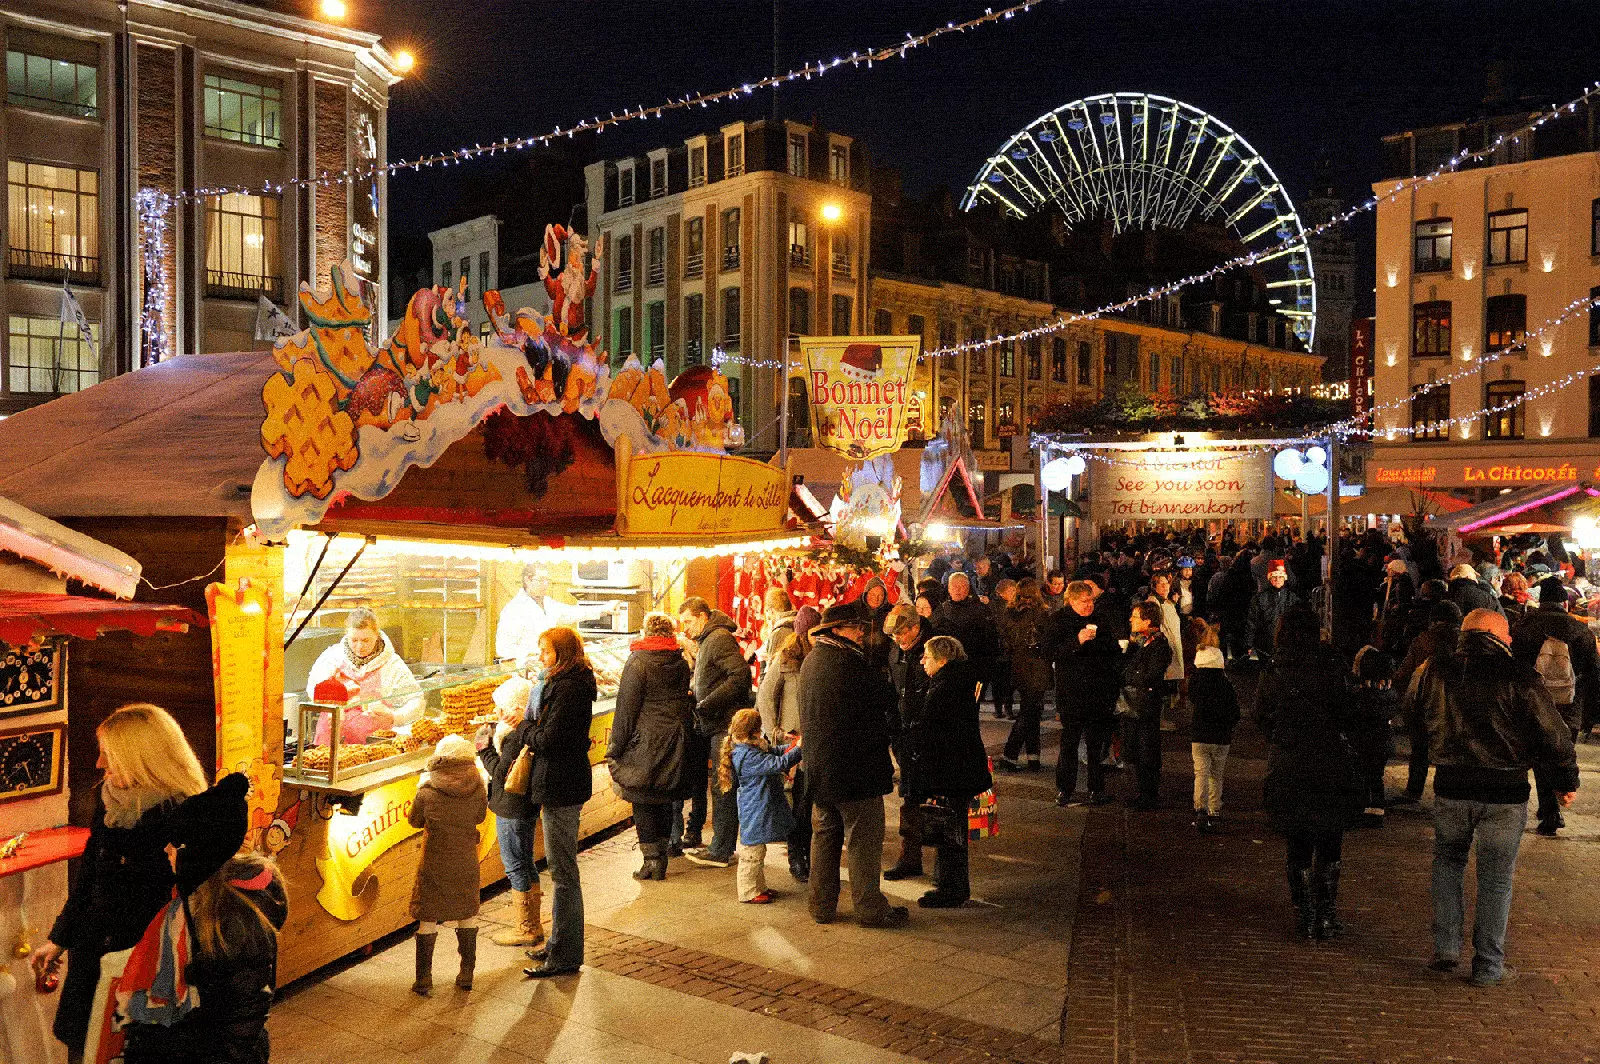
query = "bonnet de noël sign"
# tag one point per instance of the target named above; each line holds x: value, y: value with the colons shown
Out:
x: 858, y: 389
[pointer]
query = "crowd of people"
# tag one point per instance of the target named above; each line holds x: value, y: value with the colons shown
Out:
x: 1485, y: 662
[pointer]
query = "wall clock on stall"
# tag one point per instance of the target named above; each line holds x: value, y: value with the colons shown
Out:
x: 31, y: 761
x: 31, y: 678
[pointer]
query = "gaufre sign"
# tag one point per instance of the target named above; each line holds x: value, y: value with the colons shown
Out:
x: 859, y: 391
x: 1167, y: 486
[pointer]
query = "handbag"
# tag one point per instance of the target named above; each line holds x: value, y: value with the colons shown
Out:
x: 520, y: 778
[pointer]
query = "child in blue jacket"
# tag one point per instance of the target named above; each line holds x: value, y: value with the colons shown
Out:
x: 748, y: 762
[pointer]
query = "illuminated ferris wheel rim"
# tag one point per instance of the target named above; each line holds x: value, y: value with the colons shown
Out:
x: 1096, y: 157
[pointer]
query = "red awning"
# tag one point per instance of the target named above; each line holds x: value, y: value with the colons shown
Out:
x: 26, y: 617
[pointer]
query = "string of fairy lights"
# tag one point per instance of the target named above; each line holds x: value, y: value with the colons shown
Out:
x: 867, y: 57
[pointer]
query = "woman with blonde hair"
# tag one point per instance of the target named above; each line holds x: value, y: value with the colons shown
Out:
x: 153, y: 796
x: 560, y: 784
x: 748, y: 763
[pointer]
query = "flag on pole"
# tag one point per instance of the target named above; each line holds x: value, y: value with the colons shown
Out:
x: 72, y: 314
x: 272, y: 323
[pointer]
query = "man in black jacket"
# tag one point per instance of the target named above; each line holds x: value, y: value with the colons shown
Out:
x: 1489, y: 721
x: 1082, y: 642
x: 721, y: 687
x: 909, y: 635
x: 971, y: 623
x: 844, y: 715
x: 1552, y: 621
x: 1268, y: 607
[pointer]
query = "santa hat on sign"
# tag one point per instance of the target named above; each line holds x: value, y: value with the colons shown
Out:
x: 554, y: 237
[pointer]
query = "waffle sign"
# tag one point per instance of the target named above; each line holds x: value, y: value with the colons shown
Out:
x: 858, y: 389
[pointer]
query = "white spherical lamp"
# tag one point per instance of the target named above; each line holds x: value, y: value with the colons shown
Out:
x: 1287, y: 463
x: 1056, y: 474
x: 1317, y: 455
x: 1076, y: 465
x: 1312, y: 479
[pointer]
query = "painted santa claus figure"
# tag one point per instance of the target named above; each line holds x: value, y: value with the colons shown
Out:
x: 569, y: 287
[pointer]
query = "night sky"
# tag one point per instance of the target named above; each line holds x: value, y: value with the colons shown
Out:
x: 1300, y: 80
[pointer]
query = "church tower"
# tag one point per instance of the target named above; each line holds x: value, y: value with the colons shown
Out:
x: 1333, y: 262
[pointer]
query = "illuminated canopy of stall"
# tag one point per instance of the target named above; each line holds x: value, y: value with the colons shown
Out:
x: 1542, y: 505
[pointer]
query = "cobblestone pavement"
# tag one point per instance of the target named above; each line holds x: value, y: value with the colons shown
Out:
x: 1182, y: 948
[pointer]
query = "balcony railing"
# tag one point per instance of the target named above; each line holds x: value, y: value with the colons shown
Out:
x: 656, y: 274
x: 226, y: 284
x: 841, y: 267
x: 730, y: 258
x: 624, y: 280
x: 26, y: 265
x: 694, y: 265
x: 1433, y: 266
x: 799, y: 255
x: 692, y: 352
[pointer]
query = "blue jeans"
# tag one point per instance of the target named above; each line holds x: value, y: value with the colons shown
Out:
x: 516, y: 851
x: 1497, y: 827
x: 561, y: 861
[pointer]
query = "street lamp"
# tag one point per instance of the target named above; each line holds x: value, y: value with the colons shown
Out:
x: 404, y: 59
x: 832, y: 212
x: 334, y: 9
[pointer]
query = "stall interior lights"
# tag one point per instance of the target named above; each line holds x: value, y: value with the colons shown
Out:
x: 816, y: 68
x: 300, y: 540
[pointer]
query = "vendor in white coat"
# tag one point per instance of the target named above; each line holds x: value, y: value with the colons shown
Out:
x: 365, y: 661
x: 528, y: 615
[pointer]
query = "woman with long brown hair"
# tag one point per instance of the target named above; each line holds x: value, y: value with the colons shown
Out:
x: 1022, y: 628
x: 561, y: 783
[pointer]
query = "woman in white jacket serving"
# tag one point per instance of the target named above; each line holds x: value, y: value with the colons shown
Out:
x: 373, y: 674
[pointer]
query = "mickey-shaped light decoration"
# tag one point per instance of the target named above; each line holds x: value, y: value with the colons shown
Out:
x: 1309, y: 470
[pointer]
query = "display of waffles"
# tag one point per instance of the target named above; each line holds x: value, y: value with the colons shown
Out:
x: 468, y: 701
x: 383, y: 733
x: 427, y: 731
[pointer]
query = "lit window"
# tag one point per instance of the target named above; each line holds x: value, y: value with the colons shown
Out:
x: 1503, y: 407
x: 797, y: 155
x: 1035, y: 358
x: 1505, y: 321
x: 975, y: 422
x: 45, y: 83
x: 799, y: 241
x: 694, y: 247
x: 1430, y: 329
x: 1508, y: 238
x: 733, y: 163
x: 697, y: 167
x: 1432, y: 250
x: 1430, y: 412
x: 242, y: 247
x: 49, y: 357
x: 53, y: 221
x: 243, y: 111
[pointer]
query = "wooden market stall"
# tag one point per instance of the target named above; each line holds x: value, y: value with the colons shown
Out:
x: 280, y: 491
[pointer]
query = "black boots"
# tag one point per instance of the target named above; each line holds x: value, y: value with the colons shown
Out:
x: 951, y: 887
x: 1305, y: 916
x: 910, y: 864
x: 1326, y: 886
x: 424, y: 980
x: 655, y: 861
x: 467, y: 947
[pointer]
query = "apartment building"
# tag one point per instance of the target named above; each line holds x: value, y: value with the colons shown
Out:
x: 1471, y: 267
x: 735, y: 239
x: 105, y: 99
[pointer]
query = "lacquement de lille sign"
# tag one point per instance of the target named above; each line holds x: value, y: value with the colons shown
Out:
x: 859, y: 391
x: 1171, y: 486
x: 690, y: 493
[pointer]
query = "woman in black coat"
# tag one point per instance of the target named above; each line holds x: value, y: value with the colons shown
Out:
x: 649, y: 737
x: 948, y: 767
x: 1232, y: 606
x: 154, y: 796
x: 1144, y: 688
x: 561, y: 783
x: 1314, y: 787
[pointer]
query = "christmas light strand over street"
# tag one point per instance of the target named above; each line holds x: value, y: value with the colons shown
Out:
x: 816, y: 68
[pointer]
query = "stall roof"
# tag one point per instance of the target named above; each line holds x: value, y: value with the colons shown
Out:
x: 1514, y: 507
x: 27, y: 617
x: 177, y: 439
x: 65, y: 552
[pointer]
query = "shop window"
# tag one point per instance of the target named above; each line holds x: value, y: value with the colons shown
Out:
x: 841, y: 316
x: 1432, y: 246
x: 1504, y: 409
x: 52, y: 82
x: 694, y: 247
x: 655, y: 272
x: 730, y: 238
x: 53, y: 216
x: 1505, y: 321
x: 1430, y: 329
x: 45, y: 356
x: 242, y: 247
x: 1508, y: 238
x: 1430, y: 412
x: 624, y: 264
x: 731, y: 323
x: 799, y: 312
x: 975, y: 422
x: 243, y: 111
x: 694, y: 329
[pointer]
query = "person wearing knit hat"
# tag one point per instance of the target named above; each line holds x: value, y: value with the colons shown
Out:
x: 451, y: 802
x: 805, y: 619
x: 1268, y: 607
x: 516, y: 820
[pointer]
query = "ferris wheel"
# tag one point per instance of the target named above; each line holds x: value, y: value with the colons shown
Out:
x: 1151, y: 162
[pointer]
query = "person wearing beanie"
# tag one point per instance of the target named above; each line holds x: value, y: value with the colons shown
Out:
x: 451, y: 802
x: 1268, y: 607
x: 1216, y: 714
x: 1574, y: 685
x: 1470, y: 593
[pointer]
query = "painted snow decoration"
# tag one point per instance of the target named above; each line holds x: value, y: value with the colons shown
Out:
x: 344, y: 420
x: 868, y: 504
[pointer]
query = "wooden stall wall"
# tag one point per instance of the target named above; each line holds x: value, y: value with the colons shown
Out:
x: 171, y: 670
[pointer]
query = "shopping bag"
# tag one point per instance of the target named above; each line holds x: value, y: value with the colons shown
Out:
x: 146, y: 984
x: 983, y: 813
